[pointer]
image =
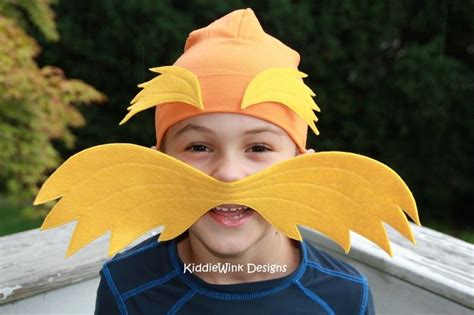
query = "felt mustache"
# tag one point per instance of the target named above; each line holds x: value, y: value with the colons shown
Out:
x: 129, y: 189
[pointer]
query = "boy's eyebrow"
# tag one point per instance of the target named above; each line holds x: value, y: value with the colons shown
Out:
x: 193, y: 127
x: 189, y: 127
x: 266, y: 129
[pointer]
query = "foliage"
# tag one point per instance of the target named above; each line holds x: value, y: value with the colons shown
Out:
x: 37, y: 13
x: 11, y: 222
x: 37, y: 104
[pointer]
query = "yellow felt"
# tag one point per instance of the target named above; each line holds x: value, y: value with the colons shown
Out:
x: 129, y: 190
x: 285, y: 86
x: 175, y: 84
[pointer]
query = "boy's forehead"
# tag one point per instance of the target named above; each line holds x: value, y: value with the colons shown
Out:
x: 220, y: 122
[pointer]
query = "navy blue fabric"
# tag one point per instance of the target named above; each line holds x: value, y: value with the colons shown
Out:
x: 150, y: 279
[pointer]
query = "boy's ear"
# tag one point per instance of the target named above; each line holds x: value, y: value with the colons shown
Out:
x: 309, y: 151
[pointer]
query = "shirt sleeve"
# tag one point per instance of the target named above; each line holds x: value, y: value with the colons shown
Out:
x: 105, y: 302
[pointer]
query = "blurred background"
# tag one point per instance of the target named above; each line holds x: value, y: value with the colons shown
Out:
x: 394, y: 81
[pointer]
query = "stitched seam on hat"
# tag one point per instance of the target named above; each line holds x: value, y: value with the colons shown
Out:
x: 225, y: 73
x: 240, y: 25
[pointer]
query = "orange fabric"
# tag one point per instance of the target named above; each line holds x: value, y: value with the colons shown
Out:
x: 225, y: 56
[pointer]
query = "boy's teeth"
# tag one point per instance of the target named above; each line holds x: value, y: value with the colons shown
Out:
x: 232, y: 209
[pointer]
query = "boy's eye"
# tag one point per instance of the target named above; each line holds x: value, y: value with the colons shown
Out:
x: 197, y: 148
x: 203, y: 148
x: 259, y: 148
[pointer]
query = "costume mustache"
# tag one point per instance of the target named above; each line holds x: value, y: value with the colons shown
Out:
x: 128, y: 190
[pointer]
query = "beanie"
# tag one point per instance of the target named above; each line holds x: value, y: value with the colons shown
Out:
x: 233, y: 67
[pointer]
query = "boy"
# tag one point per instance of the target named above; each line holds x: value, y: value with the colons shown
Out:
x: 231, y: 261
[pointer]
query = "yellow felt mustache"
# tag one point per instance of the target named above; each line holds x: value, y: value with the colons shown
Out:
x: 129, y: 189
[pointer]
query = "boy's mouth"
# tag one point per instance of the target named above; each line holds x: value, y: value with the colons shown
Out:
x: 231, y: 215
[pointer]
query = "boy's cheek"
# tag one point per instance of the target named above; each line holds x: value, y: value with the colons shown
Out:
x: 201, y: 163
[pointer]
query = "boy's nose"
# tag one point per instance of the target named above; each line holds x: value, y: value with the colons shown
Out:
x: 228, y: 169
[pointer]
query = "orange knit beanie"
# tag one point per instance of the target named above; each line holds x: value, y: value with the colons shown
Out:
x: 222, y: 61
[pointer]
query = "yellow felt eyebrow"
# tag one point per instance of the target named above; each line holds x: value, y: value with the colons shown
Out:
x: 175, y: 84
x: 128, y: 190
x: 285, y: 86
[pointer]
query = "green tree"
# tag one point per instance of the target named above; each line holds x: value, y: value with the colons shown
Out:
x: 37, y: 104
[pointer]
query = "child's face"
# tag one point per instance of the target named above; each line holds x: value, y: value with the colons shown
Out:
x: 229, y: 147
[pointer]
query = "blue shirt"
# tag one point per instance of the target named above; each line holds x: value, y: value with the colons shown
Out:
x: 151, y: 279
